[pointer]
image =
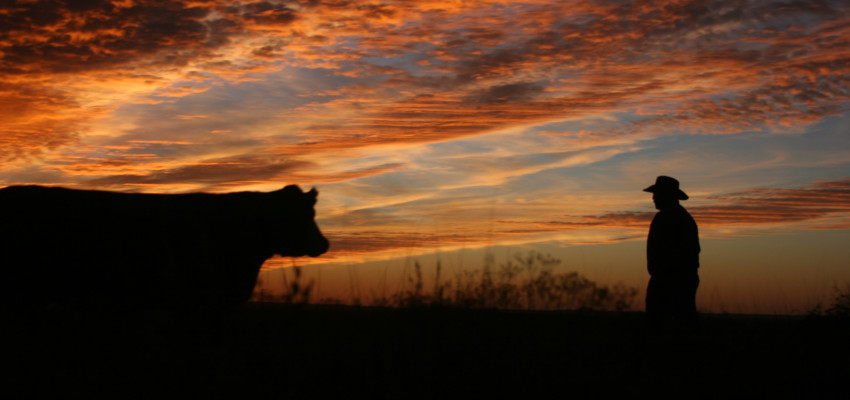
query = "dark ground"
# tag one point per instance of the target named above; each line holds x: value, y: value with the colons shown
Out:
x: 285, y: 351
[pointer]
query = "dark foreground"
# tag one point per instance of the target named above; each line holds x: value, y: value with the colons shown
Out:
x: 302, y: 352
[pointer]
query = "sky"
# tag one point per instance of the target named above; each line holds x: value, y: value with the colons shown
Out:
x: 452, y: 127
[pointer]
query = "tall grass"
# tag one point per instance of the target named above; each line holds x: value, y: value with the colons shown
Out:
x: 295, y: 291
x: 840, y: 307
x: 525, y: 282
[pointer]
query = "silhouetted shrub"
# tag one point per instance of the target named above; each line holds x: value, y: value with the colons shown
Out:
x: 295, y: 291
x: 524, y: 282
x: 840, y: 306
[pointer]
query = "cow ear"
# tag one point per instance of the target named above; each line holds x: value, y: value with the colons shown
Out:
x: 313, y: 193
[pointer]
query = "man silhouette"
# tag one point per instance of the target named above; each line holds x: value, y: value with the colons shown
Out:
x: 672, y: 255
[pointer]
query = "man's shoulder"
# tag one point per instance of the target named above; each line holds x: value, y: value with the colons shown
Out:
x: 679, y: 209
x: 683, y: 216
x: 673, y: 214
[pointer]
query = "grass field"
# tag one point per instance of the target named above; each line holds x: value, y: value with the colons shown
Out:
x: 300, y: 351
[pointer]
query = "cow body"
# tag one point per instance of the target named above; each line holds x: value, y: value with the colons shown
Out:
x: 59, y: 245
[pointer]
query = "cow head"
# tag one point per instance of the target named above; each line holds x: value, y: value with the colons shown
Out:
x: 300, y: 234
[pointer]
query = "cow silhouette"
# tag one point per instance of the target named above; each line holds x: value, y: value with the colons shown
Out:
x: 61, y: 245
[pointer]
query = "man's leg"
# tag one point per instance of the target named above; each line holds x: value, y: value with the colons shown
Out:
x: 686, y: 292
x: 658, y: 298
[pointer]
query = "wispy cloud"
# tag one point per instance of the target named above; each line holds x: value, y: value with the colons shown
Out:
x: 821, y: 202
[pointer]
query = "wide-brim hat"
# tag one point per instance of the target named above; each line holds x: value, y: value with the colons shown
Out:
x: 667, y: 185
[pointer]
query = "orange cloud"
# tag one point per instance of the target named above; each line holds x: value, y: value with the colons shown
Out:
x: 822, y: 201
x: 64, y: 63
x: 36, y: 119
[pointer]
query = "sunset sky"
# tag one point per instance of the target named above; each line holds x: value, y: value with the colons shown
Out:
x: 450, y: 128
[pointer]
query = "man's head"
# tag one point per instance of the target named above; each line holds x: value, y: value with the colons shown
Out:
x: 666, y: 192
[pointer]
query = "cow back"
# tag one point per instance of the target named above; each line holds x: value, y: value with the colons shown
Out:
x: 106, y: 247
